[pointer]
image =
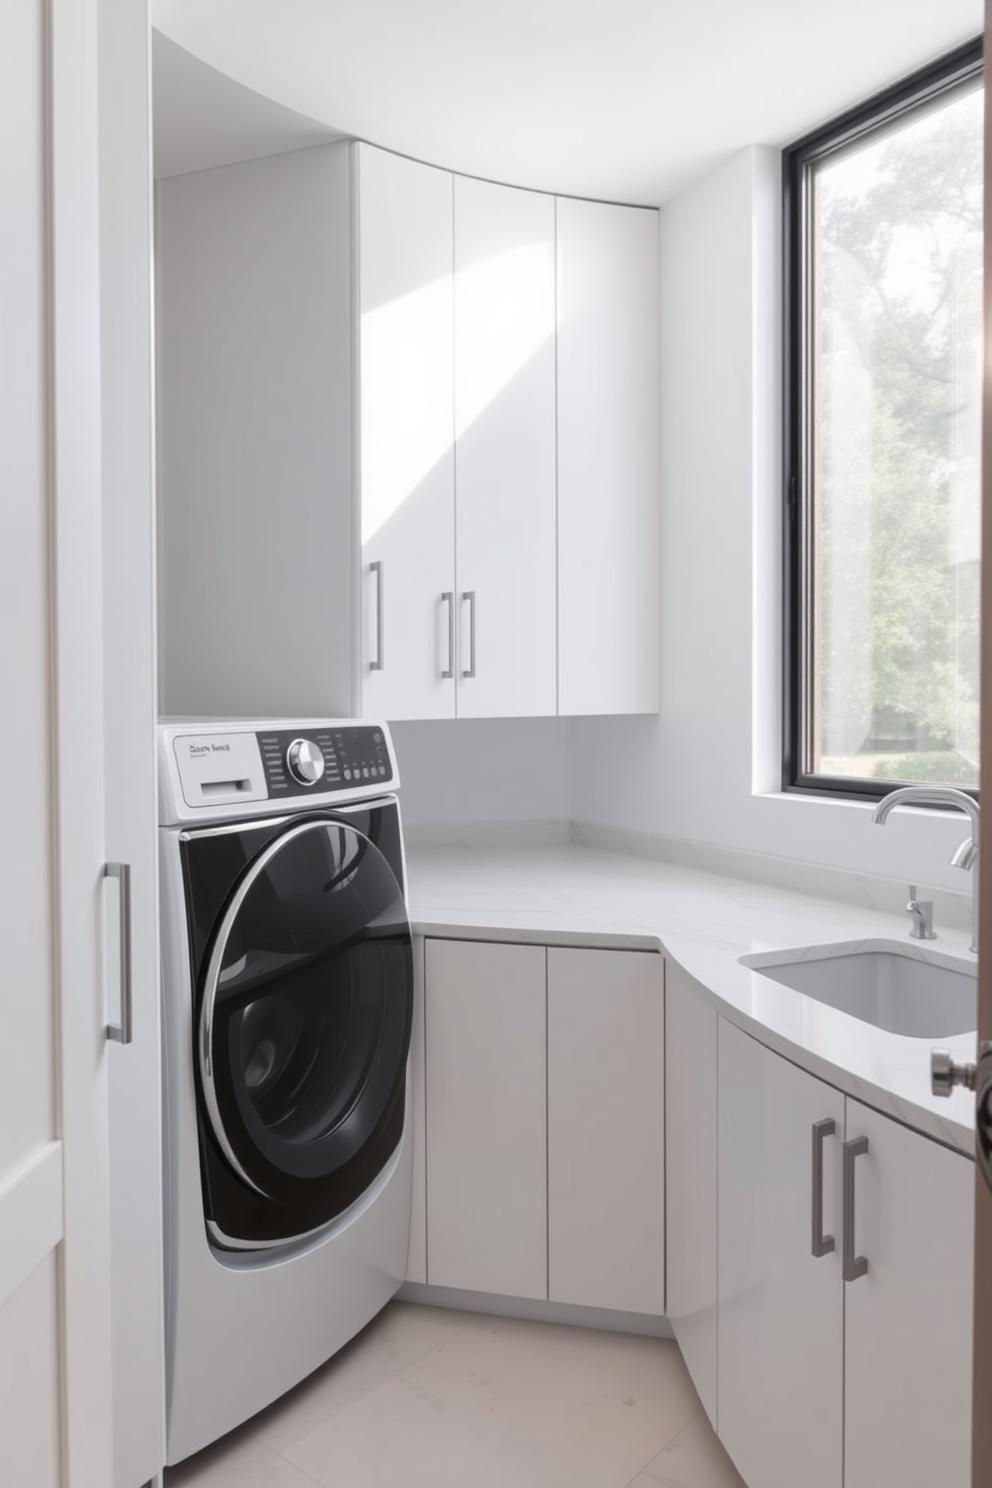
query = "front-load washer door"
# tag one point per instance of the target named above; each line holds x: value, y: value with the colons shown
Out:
x: 305, y: 1017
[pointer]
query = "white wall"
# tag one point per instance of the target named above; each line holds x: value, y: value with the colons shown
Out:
x: 484, y: 770
x: 696, y: 771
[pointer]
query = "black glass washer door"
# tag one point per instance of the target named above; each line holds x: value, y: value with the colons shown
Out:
x: 305, y: 1017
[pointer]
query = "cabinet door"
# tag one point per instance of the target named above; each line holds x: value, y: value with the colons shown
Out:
x: 606, y: 1117
x: 780, y: 1335
x: 505, y: 450
x: 407, y: 436
x: 486, y: 1117
x: 608, y: 556
x: 908, y: 1320
x: 690, y: 1179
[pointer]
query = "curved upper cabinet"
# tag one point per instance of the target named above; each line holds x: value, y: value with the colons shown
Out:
x: 408, y: 426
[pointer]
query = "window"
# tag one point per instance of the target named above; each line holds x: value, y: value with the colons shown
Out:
x: 884, y: 332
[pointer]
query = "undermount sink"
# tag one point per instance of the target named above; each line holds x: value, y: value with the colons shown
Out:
x: 896, y: 987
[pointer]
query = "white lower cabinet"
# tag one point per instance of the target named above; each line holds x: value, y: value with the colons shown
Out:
x: 486, y: 1117
x: 690, y: 1179
x: 824, y: 1380
x: 606, y: 1122
x: 545, y: 1123
x: 781, y: 1326
x: 908, y: 1320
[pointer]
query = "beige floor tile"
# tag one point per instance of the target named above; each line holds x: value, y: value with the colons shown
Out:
x: 397, y: 1338
x: 695, y: 1459
x: 237, y: 1461
x: 528, y: 1404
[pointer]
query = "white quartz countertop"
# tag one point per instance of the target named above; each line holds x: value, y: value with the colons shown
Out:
x: 572, y: 895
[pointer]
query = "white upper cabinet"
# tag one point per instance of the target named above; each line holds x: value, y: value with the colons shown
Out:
x: 406, y: 414
x: 505, y: 450
x: 608, y: 553
x: 408, y: 443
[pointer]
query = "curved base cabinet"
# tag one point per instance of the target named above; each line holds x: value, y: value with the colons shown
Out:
x: 820, y: 1286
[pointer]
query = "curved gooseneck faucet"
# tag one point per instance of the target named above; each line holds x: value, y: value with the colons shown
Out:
x: 966, y: 855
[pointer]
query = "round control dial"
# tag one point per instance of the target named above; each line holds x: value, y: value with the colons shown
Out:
x: 305, y: 761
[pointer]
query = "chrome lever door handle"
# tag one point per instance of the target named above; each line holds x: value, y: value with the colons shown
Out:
x: 123, y: 1032
x: 821, y: 1244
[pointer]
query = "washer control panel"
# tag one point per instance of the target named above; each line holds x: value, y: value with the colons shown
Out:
x: 215, y: 769
x: 338, y: 757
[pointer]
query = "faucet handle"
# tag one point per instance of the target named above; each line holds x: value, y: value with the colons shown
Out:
x: 922, y: 913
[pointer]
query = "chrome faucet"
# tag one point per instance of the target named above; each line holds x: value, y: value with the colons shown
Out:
x: 966, y: 855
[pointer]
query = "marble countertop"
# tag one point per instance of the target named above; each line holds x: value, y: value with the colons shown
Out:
x: 573, y: 895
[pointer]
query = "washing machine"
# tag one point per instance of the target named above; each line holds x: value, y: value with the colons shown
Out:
x: 287, y: 1004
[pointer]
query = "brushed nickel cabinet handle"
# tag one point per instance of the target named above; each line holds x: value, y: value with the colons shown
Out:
x: 469, y: 595
x: 854, y: 1265
x: 123, y: 1032
x: 821, y: 1244
x: 448, y: 598
x: 376, y: 568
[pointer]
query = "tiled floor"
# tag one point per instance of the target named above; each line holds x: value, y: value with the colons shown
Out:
x: 430, y: 1399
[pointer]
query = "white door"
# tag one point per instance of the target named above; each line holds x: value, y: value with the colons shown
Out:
x: 486, y: 1117
x: 606, y: 1129
x: 780, y: 1314
x: 54, y: 1233
x: 691, y: 1178
x: 608, y: 554
x: 407, y: 462
x: 505, y: 450
x: 907, y: 1320
x: 129, y: 703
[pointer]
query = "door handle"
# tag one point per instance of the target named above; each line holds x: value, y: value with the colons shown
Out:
x: 821, y: 1244
x: 123, y: 1032
x: 469, y: 595
x: 854, y: 1265
x: 376, y: 568
x: 448, y: 598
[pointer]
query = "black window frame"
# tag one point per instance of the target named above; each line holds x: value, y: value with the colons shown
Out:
x: 955, y: 71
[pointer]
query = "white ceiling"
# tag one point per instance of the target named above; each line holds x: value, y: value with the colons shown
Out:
x: 627, y: 100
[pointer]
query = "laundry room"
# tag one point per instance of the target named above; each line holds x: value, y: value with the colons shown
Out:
x: 505, y: 547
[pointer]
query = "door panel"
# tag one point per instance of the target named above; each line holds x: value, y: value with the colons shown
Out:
x: 607, y: 458
x: 407, y: 471
x: 505, y: 429
x: 31, y: 1220
x: 606, y: 1124
x: 780, y: 1333
x: 29, y: 1378
x: 486, y: 1117
x: 690, y: 1179
x: 907, y: 1375
x: 55, y: 1414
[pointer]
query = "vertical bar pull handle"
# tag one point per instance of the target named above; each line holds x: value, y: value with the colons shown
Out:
x: 822, y: 1244
x: 854, y: 1266
x: 122, y: 1032
x: 469, y: 595
x: 448, y: 598
x: 376, y: 568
